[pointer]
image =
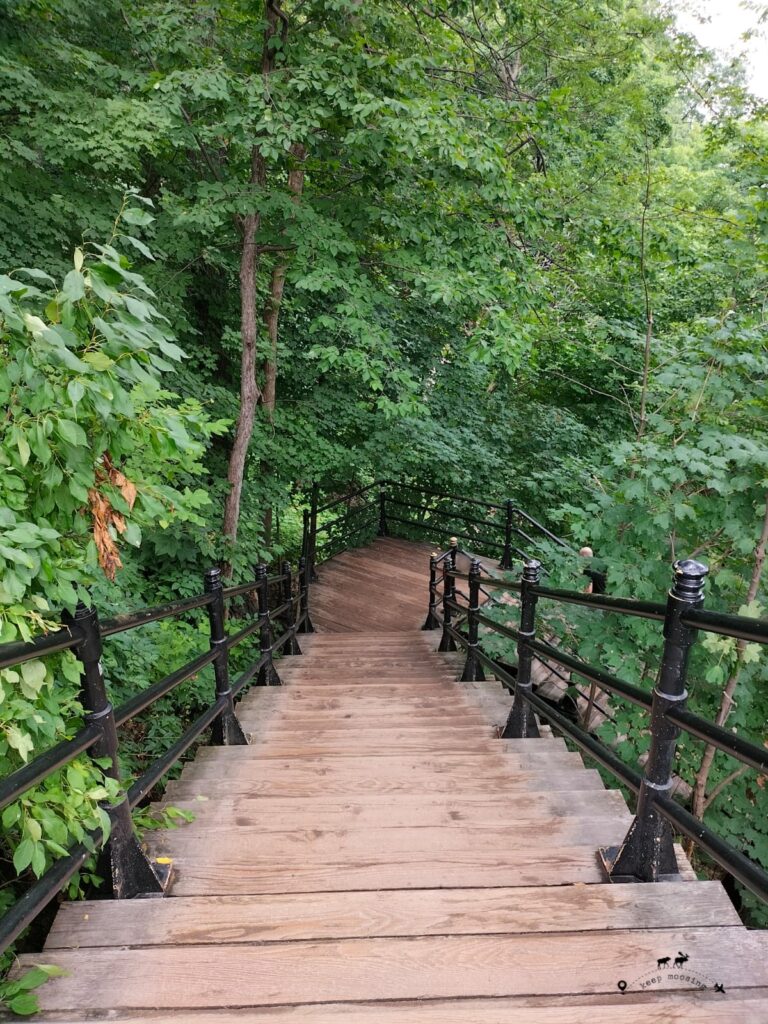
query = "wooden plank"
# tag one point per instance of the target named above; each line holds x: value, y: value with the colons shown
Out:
x: 202, y: 869
x: 397, y: 968
x: 744, y: 1006
x: 270, y: 813
x: 245, y: 844
x: 307, y: 779
x: 236, y: 919
x: 395, y: 743
x: 244, y: 762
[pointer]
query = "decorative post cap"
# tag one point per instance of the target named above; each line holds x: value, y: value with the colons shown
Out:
x: 475, y: 568
x: 212, y: 579
x: 454, y: 542
x: 688, y: 579
x: 531, y: 570
x: 260, y: 570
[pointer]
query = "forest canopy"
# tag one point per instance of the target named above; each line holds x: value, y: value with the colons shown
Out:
x: 514, y: 250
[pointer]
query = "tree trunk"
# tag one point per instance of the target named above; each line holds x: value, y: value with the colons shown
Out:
x: 249, y: 389
x: 277, y: 23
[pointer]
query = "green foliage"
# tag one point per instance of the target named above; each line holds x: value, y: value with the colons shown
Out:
x: 501, y: 204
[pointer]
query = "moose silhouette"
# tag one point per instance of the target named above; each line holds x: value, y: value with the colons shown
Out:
x: 664, y: 961
x: 681, y: 959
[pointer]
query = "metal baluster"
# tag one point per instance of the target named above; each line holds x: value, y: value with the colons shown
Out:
x: 267, y: 673
x: 383, y: 530
x: 521, y: 723
x: 447, y: 643
x: 647, y: 853
x: 306, y: 623
x: 432, y: 621
x: 506, y: 558
x: 291, y: 646
x: 132, y: 873
x: 473, y: 669
x: 226, y: 730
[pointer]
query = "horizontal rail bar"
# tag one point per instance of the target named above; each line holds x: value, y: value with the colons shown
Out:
x: 240, y: 589
x: 348, y: 515
x: 143, y: 700
x: 604, y: 680
x: 247, y: 675
x: 728, y: 857
x: 442, y: 494
x: 40, y: 893
x: 348, y: 497
x: 120, y: 623
x: 428, y: 526
x: 49, y: 643
x: 24, y: 778
x: 139, y: 789
x: 543, y: 529
x: 741, y: 627
x: 736, y: 747
x: 448, y: 514
x: 603, y: 602
x: 243, y: 634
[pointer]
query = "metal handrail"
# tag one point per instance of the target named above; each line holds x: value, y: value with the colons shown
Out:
x: 133, y: 874
x: 647, y: 850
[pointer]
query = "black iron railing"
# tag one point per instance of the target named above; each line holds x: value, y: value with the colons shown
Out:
x: 132, y: 873
x: 499, y: 529
x: 647, y: 853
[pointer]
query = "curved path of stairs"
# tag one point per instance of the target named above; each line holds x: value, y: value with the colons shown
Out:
x: 378, y: 856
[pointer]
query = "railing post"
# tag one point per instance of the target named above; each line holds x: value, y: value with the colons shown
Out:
x: 473, y: 669
x: 521, y: 723
x: 267, y: 673
x: 447, y: 643
x: 132, y: 873
x: 432, y: 621
x: 312, y: 550
x: 306, y: 623
x: 506, y: 558
x: 383, y: 530
x: 291, y: 646
x: 226, y: 730
x: 647, y: 853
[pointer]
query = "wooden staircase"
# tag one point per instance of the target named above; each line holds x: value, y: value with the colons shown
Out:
x: 377, y: 854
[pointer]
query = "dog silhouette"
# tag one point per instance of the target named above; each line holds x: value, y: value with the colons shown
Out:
x: 681, y: 959
x: 663, y: 962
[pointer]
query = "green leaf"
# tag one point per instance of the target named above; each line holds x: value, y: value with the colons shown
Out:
x: 24, y: 1004
x: 32, y: 678
x: 75, y: 390
x: 133, y: 216
x: 23, y: 854
x: 73, y: 288
x: 72, y: 432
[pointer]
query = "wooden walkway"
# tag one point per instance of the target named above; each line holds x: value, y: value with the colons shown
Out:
x: 379, y: 856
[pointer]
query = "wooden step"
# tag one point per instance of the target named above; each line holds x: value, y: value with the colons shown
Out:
x: 274, y: 814
x: 397, y: 742
x: 246, y: 844
x: 238, y: 919
x: 280, y: 778
x: 424, y: 967
x: 747, y: 1006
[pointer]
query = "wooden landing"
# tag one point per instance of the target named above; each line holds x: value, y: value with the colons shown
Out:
x: 378, y: 856
x: 377, y: 589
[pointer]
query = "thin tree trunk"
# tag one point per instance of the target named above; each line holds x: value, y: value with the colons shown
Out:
x: 700, y: 799
x: 277, y: 23
x: 249, y: 389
